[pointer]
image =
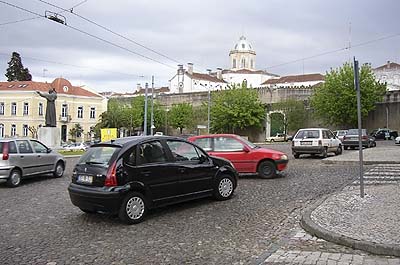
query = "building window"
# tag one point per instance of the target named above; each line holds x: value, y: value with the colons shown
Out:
x: 1, y: 130
x: 13, y: 130
x: 25, y: 129
x: 80, y: 112
x: 40, y: 109
x: 1, y: 108
x: 64, y: 110
x: 13, y: 108
x: 243, y: 63
x: 26, y: 108
x: 93, y: 113
x: 234, y: 63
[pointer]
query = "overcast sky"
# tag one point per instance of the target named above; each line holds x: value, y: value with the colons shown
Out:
x: 202, y: 32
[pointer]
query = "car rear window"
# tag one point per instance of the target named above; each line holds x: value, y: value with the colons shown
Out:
x: 312, y: 134
x: 99, y: 155
x: 355, y: 132
x: 12, y: 149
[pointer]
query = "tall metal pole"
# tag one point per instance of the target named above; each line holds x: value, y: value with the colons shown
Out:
x: 145, y: 109
x: 152, y: 106
x: 208, y: 111
x: 360, y: 148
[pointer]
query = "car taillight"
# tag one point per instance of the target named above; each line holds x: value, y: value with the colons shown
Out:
x: 319, y: 142
x: 111, y: 177
x: 5, y: 151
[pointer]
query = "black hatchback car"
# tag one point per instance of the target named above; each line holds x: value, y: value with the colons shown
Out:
x: 131, y: 175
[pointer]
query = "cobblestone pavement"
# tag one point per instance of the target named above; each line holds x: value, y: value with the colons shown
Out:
x: 39, y: 225
x: 302, y: 248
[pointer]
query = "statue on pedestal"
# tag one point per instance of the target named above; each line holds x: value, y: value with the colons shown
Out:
x: 51, y: 97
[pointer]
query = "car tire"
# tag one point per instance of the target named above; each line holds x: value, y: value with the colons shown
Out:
x: 368, y: 145
x: 374, y: 144
x: 133, y: 208
x: 346, y: 147
x: 14, y: 179
x: 338, y: 150
x: 296, y: 155
x: 324, y: 153
x: 266, y: 169
x: 59, y: 171
x: 224, y: 188
x: 272, y: 141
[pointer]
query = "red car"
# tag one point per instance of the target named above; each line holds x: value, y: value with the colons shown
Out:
x: 247, y: 157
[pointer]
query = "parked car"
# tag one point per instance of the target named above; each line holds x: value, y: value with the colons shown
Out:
x: 23, y: 158
x: 340, y: 134
x: 128, y: 176
x: 247, y: 157
x: 351, y: 139
x: 279, y: 137
x: 315, y: 141
x: 384, y: 134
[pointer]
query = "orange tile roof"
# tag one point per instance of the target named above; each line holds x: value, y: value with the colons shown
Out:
x: 295, y: 78
x: 205, y: 77
x: 58, y: 84
x: 388, y: 66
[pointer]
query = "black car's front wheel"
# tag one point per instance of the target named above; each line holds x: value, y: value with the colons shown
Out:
x: 224, y: 188
x: 266, y: 170
x: 133, y: 208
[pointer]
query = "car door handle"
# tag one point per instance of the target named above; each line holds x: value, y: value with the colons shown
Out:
x: 21, y: 156
x: 181, y: 170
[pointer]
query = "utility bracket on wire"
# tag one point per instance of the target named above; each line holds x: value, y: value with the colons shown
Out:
x: 56, y: 17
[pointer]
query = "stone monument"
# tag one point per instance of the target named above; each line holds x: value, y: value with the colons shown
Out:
x: 50, y: 135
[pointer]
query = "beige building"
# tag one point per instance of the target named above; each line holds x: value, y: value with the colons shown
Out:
x: 22, y: 110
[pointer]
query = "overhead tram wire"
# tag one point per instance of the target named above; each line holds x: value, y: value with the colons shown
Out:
x: 337, y: 50
x: 32, y: 18
x: 73, y: 65
x: 111, y: 31
x: 93, y: 36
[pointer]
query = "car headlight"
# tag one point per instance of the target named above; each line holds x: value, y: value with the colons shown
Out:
x: 284, y: 157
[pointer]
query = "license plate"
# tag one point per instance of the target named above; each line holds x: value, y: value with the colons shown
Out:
x: 305, y: 143
x: 85, y: 179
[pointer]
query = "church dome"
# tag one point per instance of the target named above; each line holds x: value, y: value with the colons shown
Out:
x: 243, y: 45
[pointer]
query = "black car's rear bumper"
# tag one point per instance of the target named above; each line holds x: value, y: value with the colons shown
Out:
x: 96, y: 198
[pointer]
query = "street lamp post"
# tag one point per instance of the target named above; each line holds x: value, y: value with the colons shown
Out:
x: 152, y: 106
x: 208, y: 111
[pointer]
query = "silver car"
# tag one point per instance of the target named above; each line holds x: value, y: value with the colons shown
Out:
x: 22, y: 158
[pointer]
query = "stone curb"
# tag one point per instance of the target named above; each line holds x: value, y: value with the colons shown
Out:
x: 316, y: 230
x: 349, y: 162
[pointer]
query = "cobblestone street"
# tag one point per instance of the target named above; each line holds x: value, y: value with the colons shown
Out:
x: 260, y: 225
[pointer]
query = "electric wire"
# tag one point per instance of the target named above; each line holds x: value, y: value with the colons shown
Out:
x: 93, y: 36
x: 111, y: 31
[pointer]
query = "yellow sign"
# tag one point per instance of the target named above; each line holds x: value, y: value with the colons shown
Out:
x: 108, y: 134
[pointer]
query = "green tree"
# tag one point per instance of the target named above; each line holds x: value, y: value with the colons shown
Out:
x: 76, y: 132
x: 16, y: 71
x: 335, y: 101
x: 295, y: 114
x: 236, y: 108
x: 181, y: 116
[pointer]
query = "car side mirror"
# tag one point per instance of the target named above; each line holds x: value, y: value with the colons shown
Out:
x: 202, y: 159
x: 246, y: 149
x: 49, y: 150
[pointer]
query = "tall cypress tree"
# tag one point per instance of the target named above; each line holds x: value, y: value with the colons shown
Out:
x: 16, y: 71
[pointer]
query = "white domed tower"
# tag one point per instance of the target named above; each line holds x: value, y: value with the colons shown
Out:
x: 243, y: 56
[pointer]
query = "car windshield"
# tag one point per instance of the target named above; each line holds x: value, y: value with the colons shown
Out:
x: 355, y: 132
x: 340, y: 133
x: 250, y: 144
x: 99, y: 155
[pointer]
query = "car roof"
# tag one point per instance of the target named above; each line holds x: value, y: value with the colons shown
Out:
x: 313, y: 129
x: 15, y: 138
x: 215, y: 135
x: 132, y: 140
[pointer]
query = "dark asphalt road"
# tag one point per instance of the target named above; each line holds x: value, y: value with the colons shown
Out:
x: 39, y: 225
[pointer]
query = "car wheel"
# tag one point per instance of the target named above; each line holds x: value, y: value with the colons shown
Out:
x: 374, y: 144
x: 338, y: 150
x: 324, y: 153
x: 223, y: 189
x: 369, y: 145
x: 346, y: 147
x: 272, y: 140
x: 266, y: 169
x: 59, y: 171
x: 296, y: 155
x: 133, y: 208
x: 14, y: 179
